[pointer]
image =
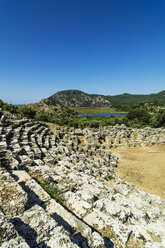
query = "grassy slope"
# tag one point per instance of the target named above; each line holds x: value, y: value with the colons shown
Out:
x: 88, y: 110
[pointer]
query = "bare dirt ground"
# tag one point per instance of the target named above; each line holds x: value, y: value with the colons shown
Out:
x: 144, y: 167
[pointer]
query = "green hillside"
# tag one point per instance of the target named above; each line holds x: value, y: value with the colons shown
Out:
x: 130, y: 99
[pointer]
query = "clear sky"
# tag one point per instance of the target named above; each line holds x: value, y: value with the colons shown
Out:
x: 97, y: 46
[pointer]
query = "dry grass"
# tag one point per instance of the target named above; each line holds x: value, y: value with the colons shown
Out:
x: 144, y: 167
x: 52, y: 126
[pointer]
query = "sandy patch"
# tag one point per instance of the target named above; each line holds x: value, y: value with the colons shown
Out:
x: 144, y: 167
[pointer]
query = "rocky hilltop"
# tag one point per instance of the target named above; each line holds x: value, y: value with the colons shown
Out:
x: 77, y: 98
x: 56, y: 188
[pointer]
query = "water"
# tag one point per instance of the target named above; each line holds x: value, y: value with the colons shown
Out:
x: 103, y: 114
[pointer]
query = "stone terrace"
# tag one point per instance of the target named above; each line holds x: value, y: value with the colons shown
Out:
x: 98, y: 210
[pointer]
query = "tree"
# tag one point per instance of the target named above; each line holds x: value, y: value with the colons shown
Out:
x: 141, y: 115
x: 27, y: 112
x: 159, y: 119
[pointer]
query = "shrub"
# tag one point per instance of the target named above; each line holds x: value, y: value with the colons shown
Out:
x: 158, y: 119
x: 139, y: 115
x: 52, y: 190
x: 27, y: 112
x: 111, y: 177
x: 42, y: 117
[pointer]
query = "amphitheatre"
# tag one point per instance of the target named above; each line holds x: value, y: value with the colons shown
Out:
x: 96, y: 202
x: 82, y: 124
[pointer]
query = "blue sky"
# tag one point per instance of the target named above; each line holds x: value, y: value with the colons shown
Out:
x: 97, y: 46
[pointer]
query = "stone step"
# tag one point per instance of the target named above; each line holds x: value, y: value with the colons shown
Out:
x: 2, y: 155
x: 41, y: 230
x: 30, y: 123
x: 79, y: 231
x: 116, y: 215
x: 40, y: 130
x: 9, y: 237
x: 24, y: 160
x: 3, y: 145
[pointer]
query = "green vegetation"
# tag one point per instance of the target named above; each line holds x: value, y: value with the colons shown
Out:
x: 126, y: 100
x: 158, y: 120
x: 88, y: 110
x: 46, y: 110
x: 115, y: 191
x: 88, y: 161
x: 43, y: 117
x: 91, y: 121
x: 9, y: 107
x: 139, y: 115
x: 52, y: 190
x: 26, y: 111
x: 42, y: 111
x: 111, y: 177
x: 72, y: 98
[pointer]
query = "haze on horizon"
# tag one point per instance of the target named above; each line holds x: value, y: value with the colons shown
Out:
x: 97, y: 46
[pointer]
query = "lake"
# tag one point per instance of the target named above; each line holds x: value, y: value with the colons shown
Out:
x: 103, y: 114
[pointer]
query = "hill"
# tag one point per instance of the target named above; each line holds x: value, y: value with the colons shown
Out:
x: 77, y: 98
x: 53, y: 109
x: 131, y: 99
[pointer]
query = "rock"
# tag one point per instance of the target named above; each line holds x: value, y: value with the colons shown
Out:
x: 95, y: 211
x: 25, y: 160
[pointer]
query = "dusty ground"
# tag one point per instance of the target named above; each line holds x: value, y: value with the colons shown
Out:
x: 144, y: 167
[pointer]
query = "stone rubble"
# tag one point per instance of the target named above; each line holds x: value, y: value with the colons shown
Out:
x: 96, y: 211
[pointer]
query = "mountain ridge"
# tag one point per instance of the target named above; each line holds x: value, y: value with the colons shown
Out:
x: 78, y: 98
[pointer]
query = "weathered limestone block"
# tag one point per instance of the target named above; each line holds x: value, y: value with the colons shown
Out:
x: 36, y: 193
x: 7, y: 230
x: 3, y: 145
x: 25, y: 160
x: 9, y: 238
x: 114, y: 230
x: 38, y: 162
x: 14, y: 164
x: 13, y: 198
x: 37, y: 152
x: 55, y: 208
x: 96, y: 240
x: 79, y: 206
x: 38, y: 227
